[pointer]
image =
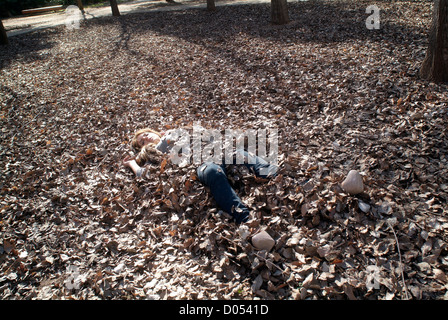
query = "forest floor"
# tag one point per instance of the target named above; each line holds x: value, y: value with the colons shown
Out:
x: 76, y: 224
x: 28, y: 23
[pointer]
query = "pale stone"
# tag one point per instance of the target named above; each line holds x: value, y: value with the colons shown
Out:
x: 353, y: 183
x: 263, y: 241
x: 363, y: 206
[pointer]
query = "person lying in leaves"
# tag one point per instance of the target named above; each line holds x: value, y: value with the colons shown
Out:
x: 151, y: 145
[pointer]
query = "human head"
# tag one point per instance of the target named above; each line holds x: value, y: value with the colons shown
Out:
x: 137, y: 142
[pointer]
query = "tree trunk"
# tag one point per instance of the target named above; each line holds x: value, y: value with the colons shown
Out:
x: 211, y: 5
x: 279, y: 12
x: 80, y: 5
x: 114, y: 6
x: 3, y: 36
x: 435, y: 65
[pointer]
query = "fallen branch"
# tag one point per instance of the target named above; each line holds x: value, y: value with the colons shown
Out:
x: 401, y: 263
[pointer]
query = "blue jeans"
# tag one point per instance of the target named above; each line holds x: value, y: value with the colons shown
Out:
x: 214, y: 177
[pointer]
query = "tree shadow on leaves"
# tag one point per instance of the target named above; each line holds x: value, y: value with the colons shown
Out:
x: 312, y: 22
x: 30, y: 47
x: 315, y: 21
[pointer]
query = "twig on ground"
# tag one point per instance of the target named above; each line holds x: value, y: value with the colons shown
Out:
x: 401, y: 262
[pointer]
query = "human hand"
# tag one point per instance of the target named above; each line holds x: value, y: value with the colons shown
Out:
x: 128, y: 160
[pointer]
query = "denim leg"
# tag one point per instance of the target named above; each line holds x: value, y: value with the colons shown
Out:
x: 214, y: 176
x: 257, y: 165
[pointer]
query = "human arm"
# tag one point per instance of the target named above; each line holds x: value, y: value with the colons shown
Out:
x: 130, y: 162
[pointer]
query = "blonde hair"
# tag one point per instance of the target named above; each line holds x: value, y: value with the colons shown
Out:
x: 147, y: 153
x: 134, y: 142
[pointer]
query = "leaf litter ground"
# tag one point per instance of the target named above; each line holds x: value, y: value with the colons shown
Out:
x: 76, y: 224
